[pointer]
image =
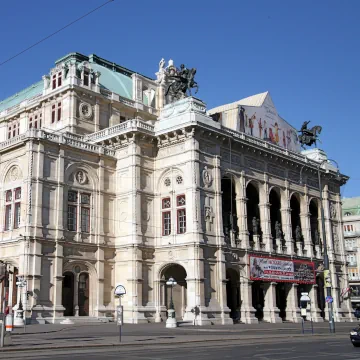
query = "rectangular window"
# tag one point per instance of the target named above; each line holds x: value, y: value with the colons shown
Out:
x: 9, y: 132
x: 54, y: 81
x: 85, y: 220
x: 17, y: 215
x: 181, y: 221
x: 17, y: 193
x: 71, y: 218
x: 59, y: 112
x: 59, y: 78
x: 85, y: 199
x: 180, y: 200
x: 166, y: 223
x: 166, y: 203
x: 86, y: 78
x: 8, y: 195
x: 30, y: 122
x: 122, y: 119
x: 72, y: 196
x: 7, y: 217
x: 53, y: 114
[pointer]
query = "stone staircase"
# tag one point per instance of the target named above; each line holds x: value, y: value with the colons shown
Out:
x: 81, y: 320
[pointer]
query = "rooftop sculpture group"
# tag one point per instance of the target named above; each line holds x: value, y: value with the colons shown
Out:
x: 178, y: 81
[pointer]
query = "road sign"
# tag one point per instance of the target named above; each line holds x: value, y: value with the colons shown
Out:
x: 329, y: 299
x: 120, y: 290
x: 119, y: 311
x: 327, y: 278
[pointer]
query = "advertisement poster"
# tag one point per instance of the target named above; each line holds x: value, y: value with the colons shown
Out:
x: 265, y: 123
x: 282, y: 270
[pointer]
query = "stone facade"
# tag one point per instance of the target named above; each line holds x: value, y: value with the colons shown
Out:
x: 129, y: 189
x: 351, y: 217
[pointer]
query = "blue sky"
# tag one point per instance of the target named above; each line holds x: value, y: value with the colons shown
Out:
x: 306, y: 53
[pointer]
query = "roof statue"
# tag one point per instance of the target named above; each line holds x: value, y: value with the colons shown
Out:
x: 179, y: 81
x: 309, y: 136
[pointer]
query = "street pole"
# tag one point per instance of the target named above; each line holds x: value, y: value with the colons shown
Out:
x: 2, y: 340
x: 171, y: 298
x: 326, y: 257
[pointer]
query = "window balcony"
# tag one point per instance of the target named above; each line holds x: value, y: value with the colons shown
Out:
x: 350, y: 248
x: 354, y: 278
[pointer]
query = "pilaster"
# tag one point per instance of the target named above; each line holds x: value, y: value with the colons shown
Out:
x: 58, y: 308
x: 306, y: 224
x: 247, y: 310
x: 286, y: 219
x: 271, y: 311
x: 315, y: 311
x: 242, y: 211
x: 292, y: 304
x: 265, y: 215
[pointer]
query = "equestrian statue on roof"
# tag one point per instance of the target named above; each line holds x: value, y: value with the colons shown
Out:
x: 182, y: 83
x: 309, y: 136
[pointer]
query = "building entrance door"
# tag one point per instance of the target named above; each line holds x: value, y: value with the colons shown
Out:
x: 83, y: 294
x: 281, y: 296
x: 68, y: 294
x: 258, y: 299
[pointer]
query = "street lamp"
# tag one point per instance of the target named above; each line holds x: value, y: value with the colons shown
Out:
x: 326, y: 257
x: 171, y: 320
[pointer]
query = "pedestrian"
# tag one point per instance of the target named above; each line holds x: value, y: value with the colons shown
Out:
x: 357, y: 312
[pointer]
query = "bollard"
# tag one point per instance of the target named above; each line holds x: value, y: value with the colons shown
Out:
x: 9, y: 323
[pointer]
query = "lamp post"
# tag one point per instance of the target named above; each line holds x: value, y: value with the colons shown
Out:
x: 327, y: 277
x: 171, y: 320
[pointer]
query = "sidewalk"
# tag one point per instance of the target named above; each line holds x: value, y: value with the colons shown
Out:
x: 40, y: 337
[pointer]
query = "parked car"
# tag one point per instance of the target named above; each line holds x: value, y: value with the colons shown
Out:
x: 355, y: 336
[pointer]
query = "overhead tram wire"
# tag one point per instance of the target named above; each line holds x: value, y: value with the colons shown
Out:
x: 54, y: 33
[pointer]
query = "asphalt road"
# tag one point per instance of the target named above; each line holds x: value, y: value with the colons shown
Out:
x: 262, y: 349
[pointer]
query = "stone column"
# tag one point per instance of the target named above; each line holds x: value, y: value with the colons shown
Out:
x: 292, y: 304
x: 196, y: 288
x: 159, y: 308
x: 218, y: 220
x: 76, y: 294
x: 271, y: 311
x: 58, y: 308
x: 100, y: 308
x: 265, y: 215
x: 315, y: 311
x: 306, y: 224
x: 59, y: 215
x: 221, y: 287
x: 240, y: 188
x: 98, y: 231
x: 97, y: 115
x: 73, y: 111
x: 36, y: 262
x: 286, y: 219
x: 39, y: 173
x: 247, y: 310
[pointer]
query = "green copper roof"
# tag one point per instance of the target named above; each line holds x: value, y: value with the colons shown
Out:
x: 351, y: 205
x: 115, y: 81
x: 25, y: 94
x: 114, y: 77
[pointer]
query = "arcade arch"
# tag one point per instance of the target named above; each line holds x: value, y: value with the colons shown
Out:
x: 178, y: 272
x: 253, y: 212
